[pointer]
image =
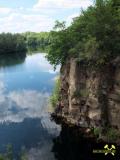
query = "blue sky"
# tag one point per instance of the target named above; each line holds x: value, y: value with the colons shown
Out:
x: 17, y: 3
x: 37, y: 15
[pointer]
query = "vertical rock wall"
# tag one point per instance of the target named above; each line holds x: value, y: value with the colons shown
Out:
x: 90, y: 97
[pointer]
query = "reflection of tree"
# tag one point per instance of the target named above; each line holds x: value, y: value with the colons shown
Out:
x: 8, y: 155
x: 12, y: 59
x: 25, y: 136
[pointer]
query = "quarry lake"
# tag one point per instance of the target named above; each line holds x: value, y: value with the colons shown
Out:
x: 25, y: 86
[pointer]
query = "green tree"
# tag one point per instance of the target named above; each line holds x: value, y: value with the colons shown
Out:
x: 93, y: 36
x: 59, y: 44
x: 12, y: 44
x: 37, y: 41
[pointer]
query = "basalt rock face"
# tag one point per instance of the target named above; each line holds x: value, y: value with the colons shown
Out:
x: 90, y: 97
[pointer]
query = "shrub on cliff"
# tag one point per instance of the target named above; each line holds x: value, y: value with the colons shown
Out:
x: 94, y: 35
x: 113, y: 134
x: 55, y: 94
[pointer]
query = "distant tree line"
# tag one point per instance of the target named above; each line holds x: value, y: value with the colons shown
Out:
x: 37, y: 41
x: 24, y: 42
x: 12, y: 44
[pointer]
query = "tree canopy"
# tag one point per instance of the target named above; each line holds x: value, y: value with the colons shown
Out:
x: 12, y: 43
x: 37, y: 41
x: 20, y: 43
x: 94, y: 35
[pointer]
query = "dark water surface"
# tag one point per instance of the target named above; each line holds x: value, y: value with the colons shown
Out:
x: 25, y: 86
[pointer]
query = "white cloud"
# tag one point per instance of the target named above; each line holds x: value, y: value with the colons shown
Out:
x: 4, y: 10
x: 19, y: 22
x: 62, y: 3
x: 40, y: 17
x: 71, y: 17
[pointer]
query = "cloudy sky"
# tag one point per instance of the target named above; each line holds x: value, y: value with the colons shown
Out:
x: 37, y: 15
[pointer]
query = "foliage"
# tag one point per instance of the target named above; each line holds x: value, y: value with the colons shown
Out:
x: 8, y: 155
x: 92, y: 36
x: 97, y: 131
x: 59, y: 45
x: 37, y: 41
x: 12, y: 44
x: 1, y: 157
x: 9, y: 152
x: 21, y: 43
x: 55, y: 94
x: 113, y: 134
x: 24, y: 157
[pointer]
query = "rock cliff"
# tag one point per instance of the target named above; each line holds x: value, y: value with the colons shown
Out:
x: 90, y: 97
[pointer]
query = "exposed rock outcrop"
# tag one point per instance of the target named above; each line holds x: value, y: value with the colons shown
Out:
x: 90, y: 97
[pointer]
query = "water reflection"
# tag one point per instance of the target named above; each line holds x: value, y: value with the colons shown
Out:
x: 25, y: 87
x: 34, y: 74
x: 30, y: 135
x: 17, y: 105
x: 10, y: 60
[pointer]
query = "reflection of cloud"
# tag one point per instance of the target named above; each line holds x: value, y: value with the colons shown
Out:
x: 43, y: 152
x: 55, y: 78
x: 1, y: 73
x: 2, y: 86
x: 18, y: 105
x: 28, y: 99
x: 2, y: 89
x: 51, y: 126
x: 56, y: 71
x: 41, y: 63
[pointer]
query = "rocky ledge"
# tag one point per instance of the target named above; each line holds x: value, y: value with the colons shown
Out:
x: 90, y: 98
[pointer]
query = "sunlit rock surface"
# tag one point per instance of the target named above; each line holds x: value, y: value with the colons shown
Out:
x: 90, y: 97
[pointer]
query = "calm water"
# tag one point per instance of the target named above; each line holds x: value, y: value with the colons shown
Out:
x: 25, y: 86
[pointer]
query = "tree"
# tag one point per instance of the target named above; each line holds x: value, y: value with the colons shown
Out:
x: 37, y: 41
x: 12, y: 44
x: 93, y: 36
x: 59, y: 44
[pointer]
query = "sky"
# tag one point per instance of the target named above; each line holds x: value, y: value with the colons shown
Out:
x: 19, y: 16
